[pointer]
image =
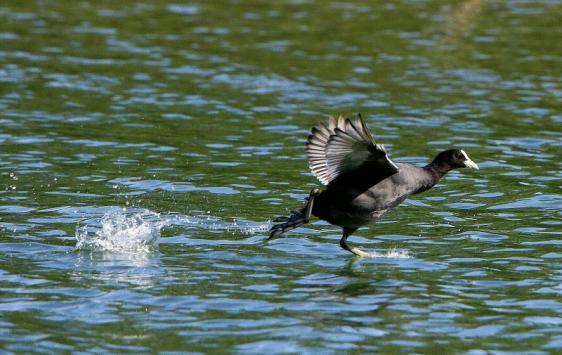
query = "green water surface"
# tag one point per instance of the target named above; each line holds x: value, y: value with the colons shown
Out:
x: 194, y: 116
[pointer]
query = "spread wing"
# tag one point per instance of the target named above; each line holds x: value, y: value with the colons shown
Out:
x: 345, y: 146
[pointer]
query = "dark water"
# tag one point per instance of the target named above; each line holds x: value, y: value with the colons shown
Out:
x: 162, y: 138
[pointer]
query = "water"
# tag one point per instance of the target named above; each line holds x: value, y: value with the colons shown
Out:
x: 145, y: 147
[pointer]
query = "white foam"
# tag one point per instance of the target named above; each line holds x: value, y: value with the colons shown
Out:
x: 120, y: 231
x: 134, y: 231
x: 391, y: 254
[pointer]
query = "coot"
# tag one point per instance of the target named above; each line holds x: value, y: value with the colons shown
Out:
x: 362, y: 183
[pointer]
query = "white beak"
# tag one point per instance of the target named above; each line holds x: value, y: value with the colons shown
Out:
x: 468, y: 162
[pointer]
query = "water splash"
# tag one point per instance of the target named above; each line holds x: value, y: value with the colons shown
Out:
x: 391, y: 254
x: 134, y: 232
x: 120, y: 231
x: 216, y: 224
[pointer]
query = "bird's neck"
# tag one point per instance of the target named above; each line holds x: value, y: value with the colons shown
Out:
x: 432, y: 176
x: 438, y: 169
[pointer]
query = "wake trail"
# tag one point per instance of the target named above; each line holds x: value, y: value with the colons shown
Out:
x: 139, y: 231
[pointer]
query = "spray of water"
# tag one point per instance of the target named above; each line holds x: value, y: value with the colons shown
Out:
x: 212, y: 223
x: 120, y: 231
x: 391, y: 254
x: 137, y: 232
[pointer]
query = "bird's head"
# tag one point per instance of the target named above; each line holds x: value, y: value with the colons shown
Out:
x: 453, y: 159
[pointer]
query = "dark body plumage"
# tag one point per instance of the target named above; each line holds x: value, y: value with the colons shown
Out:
x: 362, y: 182
x: 352, y: 204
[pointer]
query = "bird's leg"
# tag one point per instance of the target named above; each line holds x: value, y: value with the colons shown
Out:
x: 343, y: 243
x: 296, y: 218
x: 308, y: 208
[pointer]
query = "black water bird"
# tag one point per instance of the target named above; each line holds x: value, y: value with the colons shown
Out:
x: 362, y: 182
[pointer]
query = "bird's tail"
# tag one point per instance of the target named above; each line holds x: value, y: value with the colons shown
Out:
x: 295, y: 219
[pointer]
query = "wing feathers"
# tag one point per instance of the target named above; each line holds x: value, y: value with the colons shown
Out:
x: 342, y: 146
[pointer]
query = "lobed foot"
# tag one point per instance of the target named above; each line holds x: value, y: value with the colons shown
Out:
x: 297, y: 218
x: 360, y: 253
x: 354, y: 250
x: 343, y: 243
